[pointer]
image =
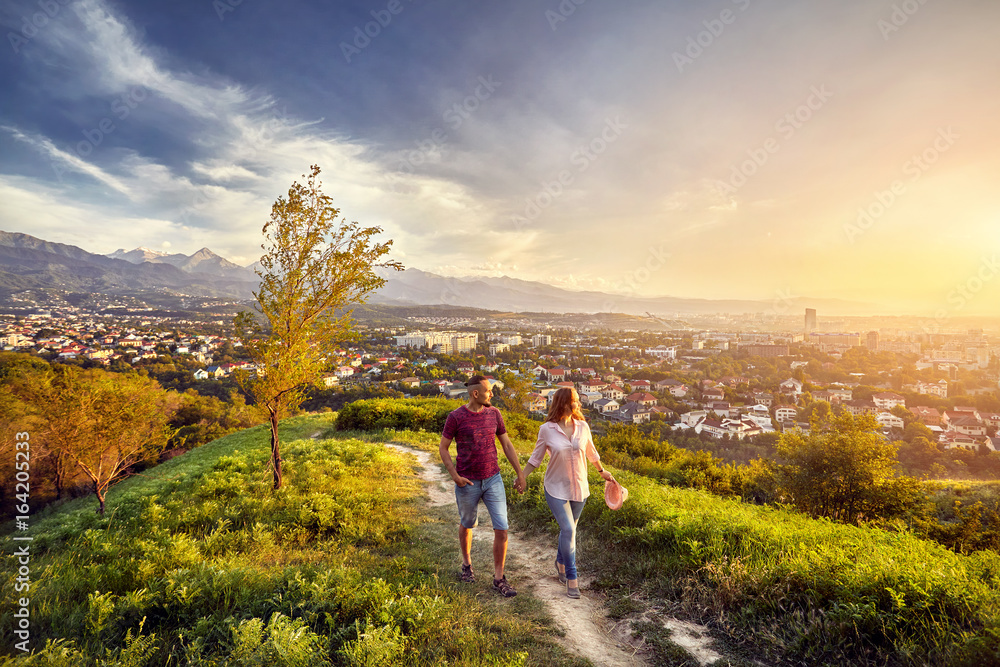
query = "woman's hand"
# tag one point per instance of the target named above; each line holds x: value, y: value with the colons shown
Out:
x: 606, y: 475
x: 521, y: 483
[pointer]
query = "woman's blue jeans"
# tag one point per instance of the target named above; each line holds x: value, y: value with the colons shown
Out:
x: 567, y: 514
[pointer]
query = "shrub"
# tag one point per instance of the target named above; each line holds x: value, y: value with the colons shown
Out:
x: 422, y: 414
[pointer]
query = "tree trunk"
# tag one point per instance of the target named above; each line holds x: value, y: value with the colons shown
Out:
x: 100, y: 498
x: 275, y: 450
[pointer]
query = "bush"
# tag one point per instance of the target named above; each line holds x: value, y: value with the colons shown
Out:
x: 422, y: 414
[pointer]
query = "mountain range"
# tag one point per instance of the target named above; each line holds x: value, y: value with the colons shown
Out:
x: 27, y: 262
x: 203, y: 261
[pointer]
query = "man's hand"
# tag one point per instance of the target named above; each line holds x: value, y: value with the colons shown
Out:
x: 521, y: 484
x: 461, y: 481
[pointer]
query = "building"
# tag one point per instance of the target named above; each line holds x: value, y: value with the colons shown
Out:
x: 889, y: 420
x: 827, y: 341
x: 662, y: 352
x: 810, y: 320
x: 872, y: 340
x: 446, y: 342
x: 887, y: 400
x: 541, y: 340
x: 785, y: 413
x: 927, y: 415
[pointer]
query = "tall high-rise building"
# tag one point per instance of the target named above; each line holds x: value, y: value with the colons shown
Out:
x: 810, y: 319
x: 872, y: 340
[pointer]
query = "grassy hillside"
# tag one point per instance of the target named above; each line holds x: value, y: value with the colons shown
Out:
x: 199, y: 562
x: 774, y: 583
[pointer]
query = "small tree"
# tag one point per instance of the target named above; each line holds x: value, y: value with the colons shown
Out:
x: 100, y: 422
x: 313, y: 266
x: 839, y: 470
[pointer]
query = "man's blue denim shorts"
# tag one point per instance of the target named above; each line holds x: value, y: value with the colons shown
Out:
x: 493, y: 495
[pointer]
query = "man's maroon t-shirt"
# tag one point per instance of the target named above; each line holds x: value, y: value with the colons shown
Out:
x: 475, y: 434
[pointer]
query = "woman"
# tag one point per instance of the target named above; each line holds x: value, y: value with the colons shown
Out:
x: 566, y: 437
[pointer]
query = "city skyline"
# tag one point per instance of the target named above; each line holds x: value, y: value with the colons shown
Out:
x: 741, y: 149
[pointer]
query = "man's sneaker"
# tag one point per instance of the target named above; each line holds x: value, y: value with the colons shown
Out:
x: 503, y: 588
x: 467, y: 575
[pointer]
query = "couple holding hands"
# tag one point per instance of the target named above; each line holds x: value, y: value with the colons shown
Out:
x: 566, y: 437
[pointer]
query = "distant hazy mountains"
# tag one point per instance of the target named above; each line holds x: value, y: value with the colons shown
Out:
x: 414, y: 286
x: 203, y: 261
x: 27, y: 262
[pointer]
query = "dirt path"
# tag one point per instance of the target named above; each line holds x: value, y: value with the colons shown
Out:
x: 589, y: 632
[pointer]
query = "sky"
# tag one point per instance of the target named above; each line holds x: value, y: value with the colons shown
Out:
x: 747, y: 149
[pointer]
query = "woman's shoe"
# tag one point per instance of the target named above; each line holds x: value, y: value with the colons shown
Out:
x: 561, y: 575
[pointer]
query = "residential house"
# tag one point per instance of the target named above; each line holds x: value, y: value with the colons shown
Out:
x: 722, y: 408
x: 593, y: 385
x: 858, y: 408
x: 642, y: 397
x: 201, y: 374
x: 967, y: 425
x: 791, y: 386
x: 954, y: 439
x: 840, y: 394
x: 889, y: 420
x: 557, y: 374
x: 614, y: 392
x: 939, y: 388
x: 590, y: 397
x: 762, y: 398
x: 785, y: 413
x: 692, y: 418
x: 456, y: 390
x: 634, y: 413
x: 712, y: 394
x: 606, y: 406
x: 887, y: 400
x: 927, y: 415
x: 411, y: 382
x: 535, y: 403
x: 990, y: 419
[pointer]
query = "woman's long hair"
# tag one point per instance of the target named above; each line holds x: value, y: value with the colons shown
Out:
x: 562, y: 405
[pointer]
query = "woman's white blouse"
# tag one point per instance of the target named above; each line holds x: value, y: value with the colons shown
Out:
x: 566, y: 475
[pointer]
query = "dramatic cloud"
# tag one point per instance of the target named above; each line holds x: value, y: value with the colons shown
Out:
x: 741, y: 148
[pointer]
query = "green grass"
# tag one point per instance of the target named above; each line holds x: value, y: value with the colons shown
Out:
x: 199, y: 562
x: 795, y: 589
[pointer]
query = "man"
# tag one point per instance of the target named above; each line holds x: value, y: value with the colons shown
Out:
x: 474, y: 427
